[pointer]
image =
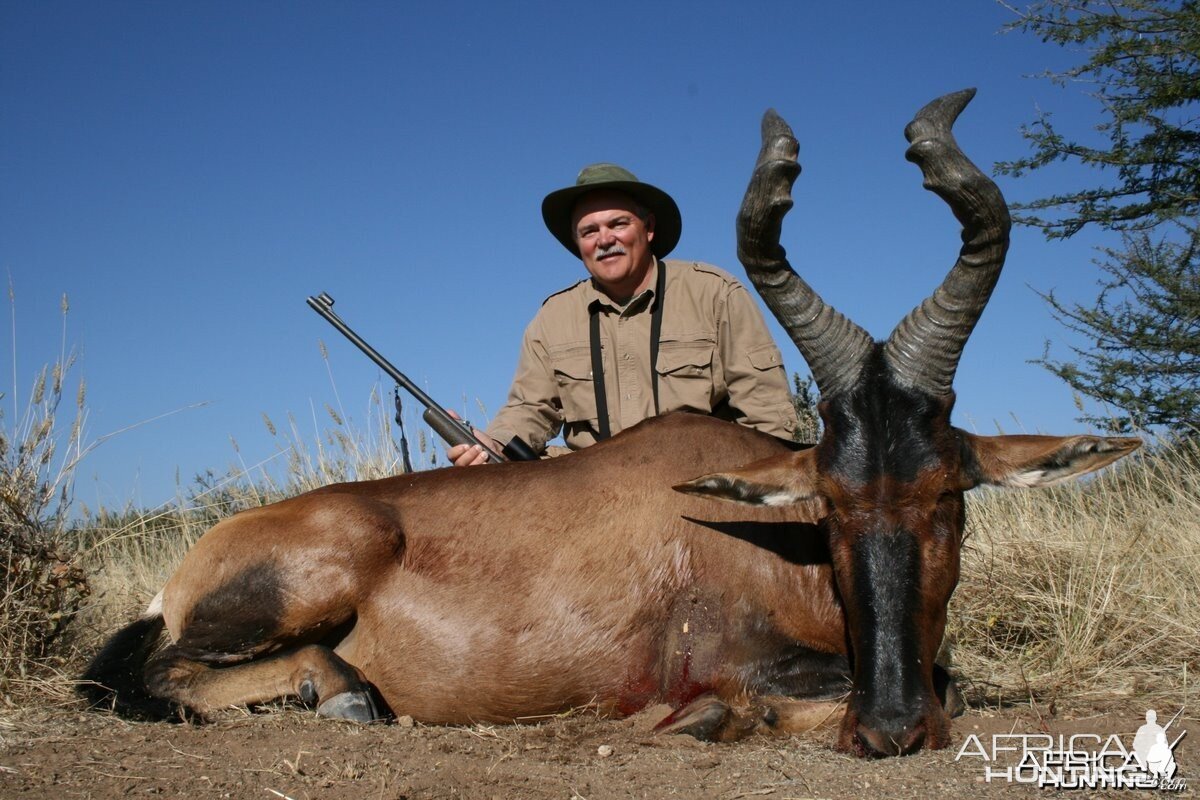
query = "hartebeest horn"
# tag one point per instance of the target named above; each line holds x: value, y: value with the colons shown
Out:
x: 834, y: 347
x: 924, y: 349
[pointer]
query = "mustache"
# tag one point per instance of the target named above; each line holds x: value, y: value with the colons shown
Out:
x: 616, y: 249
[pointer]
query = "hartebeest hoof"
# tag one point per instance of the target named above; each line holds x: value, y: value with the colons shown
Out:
x: 702, y: 718
x: 352, y: 706
x: 953, y: 702
x: 945, y: 686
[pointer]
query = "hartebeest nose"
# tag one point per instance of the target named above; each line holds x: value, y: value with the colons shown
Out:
x: 893, y: 738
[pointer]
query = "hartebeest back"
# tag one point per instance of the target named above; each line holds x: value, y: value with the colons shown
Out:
x: 527, y: 588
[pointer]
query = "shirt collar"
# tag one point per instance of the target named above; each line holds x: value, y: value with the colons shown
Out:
x: 597, y: 298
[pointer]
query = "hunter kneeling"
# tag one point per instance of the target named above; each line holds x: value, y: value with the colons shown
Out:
x: 642, y: 336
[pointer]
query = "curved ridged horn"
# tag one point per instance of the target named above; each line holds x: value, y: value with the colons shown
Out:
x: 834, y: 347
x: 924, y: 349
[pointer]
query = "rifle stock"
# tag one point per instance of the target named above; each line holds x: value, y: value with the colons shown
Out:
x: 446, y: 427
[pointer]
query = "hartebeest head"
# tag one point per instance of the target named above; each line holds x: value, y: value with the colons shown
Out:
x: 890, y: 470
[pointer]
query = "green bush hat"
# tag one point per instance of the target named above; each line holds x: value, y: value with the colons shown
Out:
x: 557, y: 207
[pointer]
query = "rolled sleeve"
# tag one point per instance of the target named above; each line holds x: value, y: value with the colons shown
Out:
x: 754, y: 373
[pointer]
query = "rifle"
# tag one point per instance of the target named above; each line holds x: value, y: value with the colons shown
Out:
x: 451, y: 430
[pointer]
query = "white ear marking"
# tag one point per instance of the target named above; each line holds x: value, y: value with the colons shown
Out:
x: 1026, y: 480
x: 779, y: 499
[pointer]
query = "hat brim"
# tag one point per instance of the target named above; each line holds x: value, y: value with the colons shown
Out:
x: 668, y: 224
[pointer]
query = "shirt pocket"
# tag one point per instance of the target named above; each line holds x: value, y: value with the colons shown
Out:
x: 765, y: 357
x: 685, y: 374
x: 576, y: 390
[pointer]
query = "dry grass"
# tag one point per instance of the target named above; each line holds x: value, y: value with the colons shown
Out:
x: 42, y: 582
x: 131, y: 554
x: 48, y: 565
x: 1088, y: 590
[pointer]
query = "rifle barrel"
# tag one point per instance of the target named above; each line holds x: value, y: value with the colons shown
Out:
x: 323, y: 305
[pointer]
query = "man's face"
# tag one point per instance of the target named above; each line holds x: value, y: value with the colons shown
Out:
x: 614, y: 242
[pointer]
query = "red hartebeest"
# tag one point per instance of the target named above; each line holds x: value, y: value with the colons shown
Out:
x: 527, y: 588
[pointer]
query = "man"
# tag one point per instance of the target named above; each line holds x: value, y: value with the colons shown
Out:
x: 641, y: 337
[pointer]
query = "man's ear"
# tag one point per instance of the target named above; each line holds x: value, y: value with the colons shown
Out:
x: 649, y: 223
x: 1024, y: 462
x: 782, y: 480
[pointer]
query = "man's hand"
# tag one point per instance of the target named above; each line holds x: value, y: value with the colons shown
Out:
x: 469, y: 455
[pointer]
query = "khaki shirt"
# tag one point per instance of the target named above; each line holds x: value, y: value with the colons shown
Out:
x: 715, y: 357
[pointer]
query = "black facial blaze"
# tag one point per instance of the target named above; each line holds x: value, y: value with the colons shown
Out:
x: 881, y: 439
x: 881, y: 429
x: 887, y: 576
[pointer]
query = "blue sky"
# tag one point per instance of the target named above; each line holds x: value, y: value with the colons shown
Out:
x: 189, y: 172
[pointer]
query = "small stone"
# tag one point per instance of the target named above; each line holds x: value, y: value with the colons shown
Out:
x: 604, y: 750
x: 405, y: 722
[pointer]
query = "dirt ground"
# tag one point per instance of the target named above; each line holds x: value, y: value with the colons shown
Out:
x: 288, y: 753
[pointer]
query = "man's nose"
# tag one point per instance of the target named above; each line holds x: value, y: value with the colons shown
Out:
x: 605, y: 237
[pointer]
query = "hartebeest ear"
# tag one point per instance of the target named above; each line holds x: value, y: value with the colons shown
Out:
x: 1027, y: 461
x: 782, y: 480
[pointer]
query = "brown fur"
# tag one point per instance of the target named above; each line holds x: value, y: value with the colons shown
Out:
x: 517, y: 590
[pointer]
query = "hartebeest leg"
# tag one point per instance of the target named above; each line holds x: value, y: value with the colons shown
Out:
x: 314, y: 673
x: 259, y: 603
x: 711, y: 719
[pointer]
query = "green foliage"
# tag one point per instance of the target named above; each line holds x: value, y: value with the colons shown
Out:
x: 1143, y: 58
x: 1146, y: 328
x: 804, y: 399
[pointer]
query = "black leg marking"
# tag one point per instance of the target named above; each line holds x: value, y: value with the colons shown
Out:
x: 804, y: 674
x: 236, y: 620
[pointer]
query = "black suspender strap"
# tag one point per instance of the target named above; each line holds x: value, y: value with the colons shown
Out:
x: 598, y: 374
x: 656, y: 315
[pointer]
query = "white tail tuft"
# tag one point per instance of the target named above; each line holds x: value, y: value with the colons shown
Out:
x: 155, y: 607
